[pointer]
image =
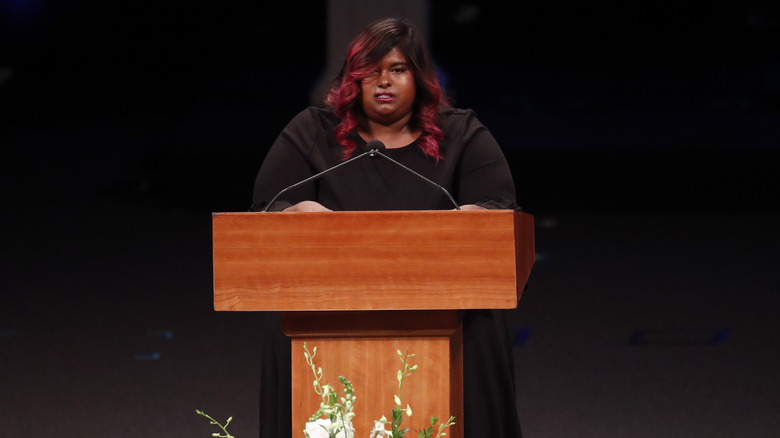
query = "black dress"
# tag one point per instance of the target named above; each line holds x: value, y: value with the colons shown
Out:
x: 473, y: 169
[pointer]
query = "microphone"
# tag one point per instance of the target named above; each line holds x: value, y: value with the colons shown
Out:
x: 371, y: 149
x: 375, y: 147
x: 318, y: 175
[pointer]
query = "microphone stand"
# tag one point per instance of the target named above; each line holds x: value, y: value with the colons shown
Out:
x: 375, y: 151
x: 371, y: 151
x: 313, y: 177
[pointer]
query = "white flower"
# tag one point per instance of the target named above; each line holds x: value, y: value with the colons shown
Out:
x: 397, y: 400
x: 380, y: 431
x: 320, y: 427
x: 408, y: 411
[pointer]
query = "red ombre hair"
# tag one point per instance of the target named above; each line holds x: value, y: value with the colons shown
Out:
x: 363, y: 55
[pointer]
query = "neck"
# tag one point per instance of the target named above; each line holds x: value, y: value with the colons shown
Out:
x: 393, y: 135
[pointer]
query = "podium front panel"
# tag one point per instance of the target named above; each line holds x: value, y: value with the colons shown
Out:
x: 410, y: 260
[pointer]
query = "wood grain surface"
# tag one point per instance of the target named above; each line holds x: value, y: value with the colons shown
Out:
x: 371, y: 260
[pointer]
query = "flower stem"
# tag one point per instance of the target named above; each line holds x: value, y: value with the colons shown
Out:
x: 217, y: 423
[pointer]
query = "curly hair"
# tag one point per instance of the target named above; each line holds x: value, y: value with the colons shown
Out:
x: 364, y: 53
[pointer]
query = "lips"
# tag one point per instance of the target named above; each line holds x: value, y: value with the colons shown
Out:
x: 384, y: 97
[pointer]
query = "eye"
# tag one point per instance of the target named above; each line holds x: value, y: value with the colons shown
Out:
x: 371, y: 76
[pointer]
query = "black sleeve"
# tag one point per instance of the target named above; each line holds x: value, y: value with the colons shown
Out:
x: 287, y: 163
x: 484, y: 176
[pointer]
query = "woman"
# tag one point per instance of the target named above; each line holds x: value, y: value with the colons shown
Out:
x: 387, y: 90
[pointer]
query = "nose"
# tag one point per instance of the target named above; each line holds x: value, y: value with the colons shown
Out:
x: 383, y: 80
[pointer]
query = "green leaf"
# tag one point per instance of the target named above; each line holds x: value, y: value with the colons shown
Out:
x: 396, y: 415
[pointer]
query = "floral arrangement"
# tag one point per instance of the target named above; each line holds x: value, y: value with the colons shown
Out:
x: 339, y: 410
x: 333, y: 419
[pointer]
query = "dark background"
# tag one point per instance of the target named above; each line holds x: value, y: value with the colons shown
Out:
x: 647, y: 106
x: 642, y: 137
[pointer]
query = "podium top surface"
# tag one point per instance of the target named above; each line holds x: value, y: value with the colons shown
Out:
x: 373, y: 260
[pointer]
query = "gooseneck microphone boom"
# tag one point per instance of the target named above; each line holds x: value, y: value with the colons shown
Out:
x: 375, y: 147
x: 313, y: 177
x: 371, y: 149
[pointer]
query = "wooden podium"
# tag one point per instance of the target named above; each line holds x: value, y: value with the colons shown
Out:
x: 361, y: 285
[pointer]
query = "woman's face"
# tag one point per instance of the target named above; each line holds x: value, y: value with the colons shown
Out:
x: 389, y: 92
